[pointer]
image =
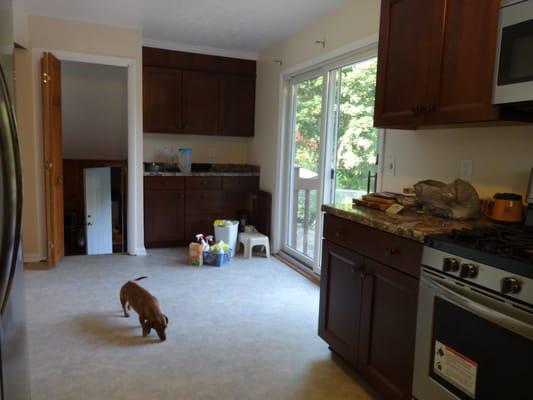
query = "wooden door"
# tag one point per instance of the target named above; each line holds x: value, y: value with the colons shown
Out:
x: 237, y: 105
x: 53, y: 157
x: 340, y: 300
x: 461, y: 80
x: 388, y: 325
x: 404, y: 62
x: 98, y: 215
x: 200, y: 103
x: 164, y: 217
x: 161, y: 100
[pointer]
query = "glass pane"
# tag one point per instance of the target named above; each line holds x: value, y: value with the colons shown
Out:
x: 357, y: 139
x: 305, y: 165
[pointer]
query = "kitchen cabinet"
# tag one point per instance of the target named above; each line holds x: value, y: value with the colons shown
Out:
x: 388, y: 324
x: 161, y: 100
x: 368, y: 302
x: 340, y: 300
x: 436, y: 62
x: 176, y: 208
x: 164, y: 212
x: 188, y: 93
x: 237, y: 105
x: 200, y: 103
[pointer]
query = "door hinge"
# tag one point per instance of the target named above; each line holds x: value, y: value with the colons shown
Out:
x: 51, y: 246
x: 48, y: 164
x: 46, y: 77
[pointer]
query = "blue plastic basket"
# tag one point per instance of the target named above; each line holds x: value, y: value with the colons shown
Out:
x: 216, y: 260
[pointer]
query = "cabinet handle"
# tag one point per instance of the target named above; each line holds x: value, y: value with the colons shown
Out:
x: 365, y: 274
x: 338, y: 234
x: 391, y: 252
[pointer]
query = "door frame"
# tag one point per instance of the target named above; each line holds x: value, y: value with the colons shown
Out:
x: 353, y: 53
x: 135, y: 227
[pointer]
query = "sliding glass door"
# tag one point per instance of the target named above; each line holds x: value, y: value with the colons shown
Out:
x: 333, y: 148
x: 305, y: 166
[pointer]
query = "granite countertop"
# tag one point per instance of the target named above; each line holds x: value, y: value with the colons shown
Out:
x: 408, y: 224
x: 201, y: 174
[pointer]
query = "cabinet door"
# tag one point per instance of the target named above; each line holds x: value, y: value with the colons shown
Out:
x: 388, y: 323
x: 164, y: 212
x: 461, y: 80
x: 340, y: 300
x: 404, y: 61
x: 237, y: 105
x: 161, y: 100
x: 200, y: 103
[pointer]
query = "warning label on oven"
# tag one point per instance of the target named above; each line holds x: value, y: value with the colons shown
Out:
x: 455, y: 368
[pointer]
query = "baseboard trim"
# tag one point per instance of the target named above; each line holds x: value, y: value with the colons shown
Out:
x: 298, y: 267
x: 34, y: 258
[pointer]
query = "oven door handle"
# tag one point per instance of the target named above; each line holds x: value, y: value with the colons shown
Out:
x: 521, y: 328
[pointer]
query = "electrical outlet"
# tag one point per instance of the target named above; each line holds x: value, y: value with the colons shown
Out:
x: 465, y: 171
x: 390, y: 166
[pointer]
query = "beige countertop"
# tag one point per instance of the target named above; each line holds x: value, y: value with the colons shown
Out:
x: 408, y: 224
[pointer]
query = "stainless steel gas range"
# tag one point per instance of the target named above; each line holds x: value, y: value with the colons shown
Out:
x: 475, y: 316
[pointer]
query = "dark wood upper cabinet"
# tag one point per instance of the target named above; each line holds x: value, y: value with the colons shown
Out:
x: 161, y: 100
x: 200, y: 103
x: 237, y: 105
x: 436, y: 62
x: 197, y: 94
x: 465, y: 63
x: 403, y: 61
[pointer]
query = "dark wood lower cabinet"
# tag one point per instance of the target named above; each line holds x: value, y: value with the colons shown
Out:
x: 368, y: 309
x: 340, y: 300
x: 178, y: 208
x: 387, y: 335
x: 164, y: 212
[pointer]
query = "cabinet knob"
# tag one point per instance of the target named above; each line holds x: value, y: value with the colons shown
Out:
x: 338, y: 234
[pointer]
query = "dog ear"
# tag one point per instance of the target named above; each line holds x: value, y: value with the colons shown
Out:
x: 166, y: 318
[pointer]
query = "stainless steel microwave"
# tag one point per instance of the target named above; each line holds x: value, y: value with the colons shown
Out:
x: 513, y: 81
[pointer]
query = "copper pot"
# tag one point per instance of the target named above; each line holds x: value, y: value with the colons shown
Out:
x: 505, y: 207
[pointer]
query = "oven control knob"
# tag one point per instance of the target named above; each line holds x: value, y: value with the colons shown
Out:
x: 510, y: 285
x: 468, y: 271
x: 450, y: 264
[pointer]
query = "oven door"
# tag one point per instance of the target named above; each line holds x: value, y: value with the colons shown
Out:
x: 514, y: 69
x: 470, y: 344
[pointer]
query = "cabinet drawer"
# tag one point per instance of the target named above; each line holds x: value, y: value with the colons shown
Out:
x: 240, y: 183
x: 203, y: 183
x: 195, y: 224
x: 164, y: 183
x: 202, y: 202
x: 402, y: 254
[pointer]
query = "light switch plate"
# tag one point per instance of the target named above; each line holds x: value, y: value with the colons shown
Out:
x: 465, y: 171
x: 390, y: 166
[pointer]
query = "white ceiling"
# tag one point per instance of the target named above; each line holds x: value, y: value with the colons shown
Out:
x: 247, y: 26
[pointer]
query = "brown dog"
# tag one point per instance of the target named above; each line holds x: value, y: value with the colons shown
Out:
x: 147, y: 306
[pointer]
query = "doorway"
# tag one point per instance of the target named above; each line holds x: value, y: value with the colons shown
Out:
x: 86, y: 129
x: 333, y: 148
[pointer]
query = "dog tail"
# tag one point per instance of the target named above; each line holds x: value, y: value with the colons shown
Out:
x: 140, y: 277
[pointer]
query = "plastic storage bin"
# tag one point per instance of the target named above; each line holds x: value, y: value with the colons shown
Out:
x: 185, y: 159
x: 216, y: 260
x: 228, y: 234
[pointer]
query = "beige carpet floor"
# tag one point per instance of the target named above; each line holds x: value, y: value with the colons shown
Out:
x: 247, y: 330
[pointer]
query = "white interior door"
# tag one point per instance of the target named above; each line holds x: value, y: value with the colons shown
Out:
x: 98, y: 210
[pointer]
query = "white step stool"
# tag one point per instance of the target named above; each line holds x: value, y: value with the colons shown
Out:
x: 251, y: 239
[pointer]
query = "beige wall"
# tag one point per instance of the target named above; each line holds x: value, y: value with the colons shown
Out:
x: 502, y: 157
x: 205, y: 149
x: 59, y: 35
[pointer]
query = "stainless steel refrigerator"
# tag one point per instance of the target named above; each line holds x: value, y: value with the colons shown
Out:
x: 14, y: 382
